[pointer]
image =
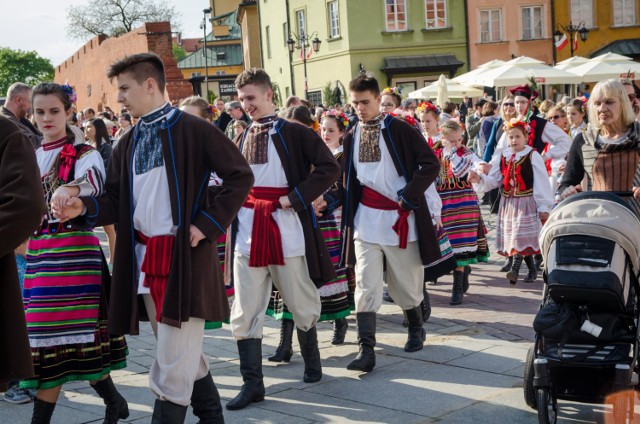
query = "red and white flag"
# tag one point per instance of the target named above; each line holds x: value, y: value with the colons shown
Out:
x: 308, y: 50
x: 562, y: 43
x: 575, y: 42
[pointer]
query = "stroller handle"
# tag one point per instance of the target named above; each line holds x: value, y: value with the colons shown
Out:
x: 622, y: 193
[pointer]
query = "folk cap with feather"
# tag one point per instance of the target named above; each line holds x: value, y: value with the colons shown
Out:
x: 524, y: 91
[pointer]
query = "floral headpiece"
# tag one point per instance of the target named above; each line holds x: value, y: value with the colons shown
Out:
x: 332, y: 113
x: 391, y: 90
x: 583, y: 107
x: 516, y: 123
x: 406, y: 118
x: 70, y: 92
x: 426, y: 106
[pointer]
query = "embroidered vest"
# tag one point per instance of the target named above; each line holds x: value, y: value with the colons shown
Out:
x: 518, y: 179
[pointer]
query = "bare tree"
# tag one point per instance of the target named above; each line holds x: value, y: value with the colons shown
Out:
x: 116, y: 17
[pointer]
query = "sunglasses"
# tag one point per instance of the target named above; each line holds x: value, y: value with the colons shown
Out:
x: 508, y: 104
x: 554, y: 117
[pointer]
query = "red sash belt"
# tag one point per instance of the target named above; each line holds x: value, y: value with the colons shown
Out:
x: 156, y: 265
x: 375, y: 200
x: 266, y: 241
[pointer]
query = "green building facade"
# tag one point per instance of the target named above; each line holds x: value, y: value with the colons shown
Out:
x: 405, y: 43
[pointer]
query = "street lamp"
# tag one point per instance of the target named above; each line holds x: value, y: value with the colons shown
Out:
x: 303, y: 43
x: 203, y: 26
x: 581, y: 28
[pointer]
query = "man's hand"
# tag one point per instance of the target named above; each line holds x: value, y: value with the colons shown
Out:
x: 285, y: 202
x: 61, y: 196
x: 195, y: 235
x: 636, y: 192
x: 71, y: 209
x: 319, y: 205
x: 562, y: 168
x: 571, y: 190
x: 438, y: 224
x: 484, y: 168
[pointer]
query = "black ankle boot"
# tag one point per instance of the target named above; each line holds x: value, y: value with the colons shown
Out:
x: 42, y: 412
x: 417, y: 333
x: 250, y: 352
x: 457, y: 292
x: 512, y: 275
x: 165, y: 412
x: 465, y: 279
x: 117, y: 407
x: 386, y: 296
x: 205, y: 401
x: 284, y: 352
x: 311, y: 354
x: 366, y: 358
x: 339, y: 331
x: 425, y: 305
x: 507, y: 265
x: 533, y: 271
x: 538, y: 261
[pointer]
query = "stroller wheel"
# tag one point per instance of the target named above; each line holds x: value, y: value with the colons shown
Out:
x: 547, y: 407
x: 529, y: 391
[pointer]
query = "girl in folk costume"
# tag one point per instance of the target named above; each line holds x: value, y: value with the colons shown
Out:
x: 429, y: 115
x: 526, y: 199
x: 336, y: 296
x: 460, y: 209
x: 390, y: 100
x: 64, y: 288
x: 576, y: 113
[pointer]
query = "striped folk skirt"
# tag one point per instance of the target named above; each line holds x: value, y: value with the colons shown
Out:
x: 66, y: 310
x: 518, y: 227
x: 447, y: 261
x: 336, y: 296
x: 462, y: 223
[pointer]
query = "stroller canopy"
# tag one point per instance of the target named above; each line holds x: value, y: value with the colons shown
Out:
x: 595, y: 214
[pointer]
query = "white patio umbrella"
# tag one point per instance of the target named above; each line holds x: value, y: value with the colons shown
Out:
x: 612, y: 57
x: 455, y: 91
x: 572, y: 62
x: 470, y: 77
x: 512, y: 74
x: 443, y: 93
x: 593, y: 70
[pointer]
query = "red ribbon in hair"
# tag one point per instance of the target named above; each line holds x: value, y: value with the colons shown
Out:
x: 375, y: 200
x: 532, y: 131
x: 67, y: 159
x: 547, y: 163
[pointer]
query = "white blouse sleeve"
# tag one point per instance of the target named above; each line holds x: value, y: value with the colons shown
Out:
x: 433, y: 201
x: 542, y: 192
x: 89, y: 174
x: 493, y: 179
x: 500, y: 146
x: 559, y: 141
x: 461, y: 165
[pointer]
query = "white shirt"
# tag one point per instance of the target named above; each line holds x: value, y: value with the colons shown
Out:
x: 271, y: 174
x: 559, y: 141
x: 542, y: 192
x: 374, y: 225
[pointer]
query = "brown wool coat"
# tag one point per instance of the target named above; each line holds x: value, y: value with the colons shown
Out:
x: 192, y: 149
x: 21, y: 210
x: 413, y: 158
x: 310, y: 169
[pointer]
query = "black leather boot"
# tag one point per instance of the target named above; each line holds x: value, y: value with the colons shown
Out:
x: 117, y: 407
x: 311, y: 354
x: 205, y: 401
x: 538, y: 261
x: 42, y: 412
x: 507, y: 265
x: 366, y: 358
x: 425, y: 305
x: 457, y: 292
x: 465, y: 279
x: 339, y: 331
x: 386, y: 296
x: 250, y: 352
x: 417, y: 333
x: 284, y: 352
x: 533, y: 271
x: 165, y: 412
x: 512, y: 275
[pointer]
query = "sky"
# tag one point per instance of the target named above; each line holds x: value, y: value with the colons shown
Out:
x: 41, y: 25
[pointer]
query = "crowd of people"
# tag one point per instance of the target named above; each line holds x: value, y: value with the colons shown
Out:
x: 238, y: 210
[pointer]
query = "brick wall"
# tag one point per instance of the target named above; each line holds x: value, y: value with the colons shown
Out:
x: 86, y: 69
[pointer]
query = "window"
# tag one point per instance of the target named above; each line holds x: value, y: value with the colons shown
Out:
x: 285, y: 33
x: 435, y: 14
x: 531, y: 22
x: 490, y: 25
x: 315, y: 97
x: 582, y: 11
x: 300, y: 23
x: 267, y: 31
x: 221, y: 72
x: 396, y: 15
x: 334, y: 19
x: 624, y: 12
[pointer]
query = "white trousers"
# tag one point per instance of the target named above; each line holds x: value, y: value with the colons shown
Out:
x: 179, y: 361
x: 252, y: 287
x: 405, y: 275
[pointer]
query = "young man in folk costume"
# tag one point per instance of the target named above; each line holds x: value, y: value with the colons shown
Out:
x: 281, y: 155
x: 156, y: 191
x: 387, y: 168
x: 547, y: 139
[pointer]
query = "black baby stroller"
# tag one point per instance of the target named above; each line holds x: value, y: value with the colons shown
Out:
x: 586, y: 342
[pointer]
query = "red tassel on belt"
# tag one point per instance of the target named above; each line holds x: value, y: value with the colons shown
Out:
x: 156, y: 266
x: 266, y: 241
x: 375, y: 200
